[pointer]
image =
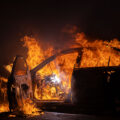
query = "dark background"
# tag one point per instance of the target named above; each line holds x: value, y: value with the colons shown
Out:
x: 99, y: 19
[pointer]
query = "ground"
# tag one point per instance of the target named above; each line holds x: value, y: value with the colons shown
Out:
x: 62, y: 116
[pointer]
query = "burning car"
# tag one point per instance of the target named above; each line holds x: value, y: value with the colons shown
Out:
x: 22, y: 82
x: 92, y: 73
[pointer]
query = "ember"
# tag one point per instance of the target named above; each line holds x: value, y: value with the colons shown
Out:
x: 4, y: 108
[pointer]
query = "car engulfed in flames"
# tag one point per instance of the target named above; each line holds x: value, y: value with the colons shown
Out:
x: 48, y: 80
x: 24, y: 84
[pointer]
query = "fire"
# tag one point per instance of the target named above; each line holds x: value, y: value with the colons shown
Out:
x: 62, y: 68
x: 95, y: 53
x: 4, y: 108
x: 4, y: 79
x: 53, y: 82
x: 101, y: 53
x: 3, y: 95
x: 8, y: 67
x: 29, y: 108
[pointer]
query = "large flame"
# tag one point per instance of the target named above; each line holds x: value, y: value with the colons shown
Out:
x: 95, y: 53
x: 58, y: 70
x: 102, y: 51
x: 54, y: 80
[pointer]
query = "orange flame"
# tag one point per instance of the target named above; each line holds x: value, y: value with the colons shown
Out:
x: 4, y: 108
x: 98, y: 55
x: 3, y: 95
x: 95, y: 53
x: 29, y: 108
x: 62, y: 68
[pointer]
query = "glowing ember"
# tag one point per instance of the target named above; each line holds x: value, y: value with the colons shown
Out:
x: 12, y: 116
x: 4, y: 108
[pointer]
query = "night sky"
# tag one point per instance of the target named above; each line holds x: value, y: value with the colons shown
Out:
x: 99, y: 19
